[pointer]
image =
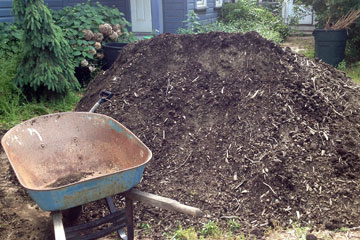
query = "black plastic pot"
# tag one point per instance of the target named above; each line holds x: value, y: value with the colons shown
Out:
x: 111, y: 53
x: 330, y: 45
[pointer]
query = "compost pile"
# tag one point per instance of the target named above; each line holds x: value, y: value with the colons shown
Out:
x: 240, y: 128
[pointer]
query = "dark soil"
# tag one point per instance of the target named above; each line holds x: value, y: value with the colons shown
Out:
x: 240, y: 128
x: 20, y: 217
x: 2, y: 133
x: 69, y: 179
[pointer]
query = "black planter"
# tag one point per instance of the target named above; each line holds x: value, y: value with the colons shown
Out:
x: 330, y: 45
x: 111, y: 53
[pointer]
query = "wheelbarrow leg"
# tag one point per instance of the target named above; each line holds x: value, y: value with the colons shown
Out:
x: 58, y: 226
x: 121, y: 233
x: 129, y: 212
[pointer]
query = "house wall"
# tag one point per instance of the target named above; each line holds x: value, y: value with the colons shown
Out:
x: 157, y: 16
x: 6, y: 5
x: 168, y: 15
x: 174, y: 15
x: 207, y: 15
x: 289, y: 11
x: 5, y: 11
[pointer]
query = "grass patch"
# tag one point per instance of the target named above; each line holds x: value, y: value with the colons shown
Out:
x: 231, y: 231
x: 14, y: 108
x: 353, y: 71
x: 310, y: 53
x: 210, y: 231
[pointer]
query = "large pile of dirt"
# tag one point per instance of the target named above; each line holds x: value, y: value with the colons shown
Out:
x: 240, y: 128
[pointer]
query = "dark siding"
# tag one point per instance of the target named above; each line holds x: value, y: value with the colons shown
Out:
x: 120, y: 4
x: 207, y: 15
x: 157, y: 16
x: 5, y: 6
x: 54, y: 4
x: 174, y: 14
x: 5, y: 11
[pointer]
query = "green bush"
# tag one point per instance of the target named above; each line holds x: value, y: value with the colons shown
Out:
x: 232, y: 19
x: 246, y: 14
x: 10, y: 40
x: 242, y: 10
x: 80, y: 25
x: 46, y: 67
x: 352, y: 53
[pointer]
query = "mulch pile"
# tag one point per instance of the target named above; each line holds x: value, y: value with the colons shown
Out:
x: 240, y: 128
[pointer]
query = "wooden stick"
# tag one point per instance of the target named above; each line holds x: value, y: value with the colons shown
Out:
x: 346, y: 20
x: 162, y: 202
x: 270, y: 188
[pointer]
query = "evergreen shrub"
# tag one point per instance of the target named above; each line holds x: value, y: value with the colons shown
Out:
x: 46, y: 66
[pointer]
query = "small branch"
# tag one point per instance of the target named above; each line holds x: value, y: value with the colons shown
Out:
x: 195, y: 79
x: 181, y: 164
x: 269, y: 187
x: 230, y: 217
x: 239, y: 185
x: 354, y: 228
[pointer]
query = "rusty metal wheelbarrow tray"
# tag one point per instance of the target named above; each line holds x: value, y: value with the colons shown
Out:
x: 69, y: 159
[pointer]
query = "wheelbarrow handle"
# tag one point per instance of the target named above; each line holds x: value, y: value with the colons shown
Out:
x: 162, y: 202
x: 103, y: 97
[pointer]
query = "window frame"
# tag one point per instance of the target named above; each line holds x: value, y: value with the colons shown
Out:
x: 219, y: 3
x: 201, y: 4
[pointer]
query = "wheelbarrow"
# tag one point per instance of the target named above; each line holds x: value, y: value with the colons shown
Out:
x: 65, y: 160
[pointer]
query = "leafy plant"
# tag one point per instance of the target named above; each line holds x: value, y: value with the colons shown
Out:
x: 247, y: 14
x: 185, y: 234
x: 341, y: 65
x: 82, y: 26
x: 210, y: 229
x: 192, y: 22
x: 10, y: 40
x: 46, y: 65
x: 256, y: 19
x: 242, y: 10
x: 234, y: 225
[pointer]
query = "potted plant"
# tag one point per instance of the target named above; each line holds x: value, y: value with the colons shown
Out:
x: 330, y: 42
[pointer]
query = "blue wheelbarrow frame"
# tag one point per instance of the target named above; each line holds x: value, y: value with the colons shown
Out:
x: 20, y: 142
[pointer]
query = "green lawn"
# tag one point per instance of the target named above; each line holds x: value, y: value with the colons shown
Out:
x: 353, y: 72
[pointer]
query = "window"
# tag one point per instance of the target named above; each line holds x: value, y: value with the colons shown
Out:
x: 218, y: 3
x: 201, y: 4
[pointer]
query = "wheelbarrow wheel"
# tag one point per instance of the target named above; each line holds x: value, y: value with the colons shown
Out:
x: 72, y: 214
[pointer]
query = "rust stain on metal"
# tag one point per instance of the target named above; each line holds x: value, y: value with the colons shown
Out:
x: 91, y: 194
